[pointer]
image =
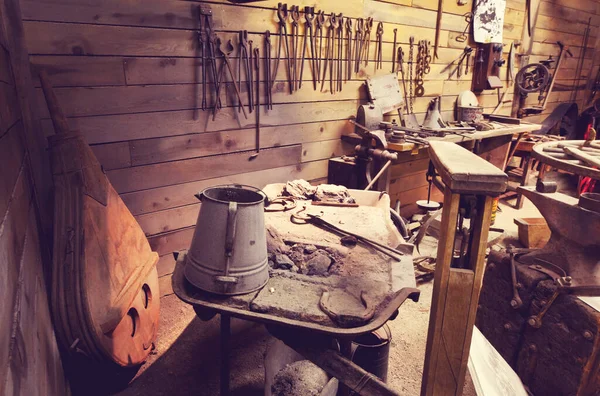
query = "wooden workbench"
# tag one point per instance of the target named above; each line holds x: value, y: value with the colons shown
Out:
x: 406, y: 177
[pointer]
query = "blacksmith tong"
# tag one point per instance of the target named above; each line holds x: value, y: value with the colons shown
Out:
x: 295, y: 13
x: 244, y: 62
x: 309, y: 16
x: 226, y: 62
x: 282, y: 14
x: 320, y: 21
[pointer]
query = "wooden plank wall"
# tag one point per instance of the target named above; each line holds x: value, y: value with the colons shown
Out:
x: 566, y: 21
x: 125, y: 73
x: 29, y: 358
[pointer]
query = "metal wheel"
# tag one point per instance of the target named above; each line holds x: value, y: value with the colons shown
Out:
x: 532, y: 78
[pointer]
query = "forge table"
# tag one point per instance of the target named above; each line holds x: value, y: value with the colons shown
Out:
x: 405, y: 178
x: 289, y: 303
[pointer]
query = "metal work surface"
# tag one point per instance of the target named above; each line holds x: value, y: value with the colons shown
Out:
x: 362, y: 281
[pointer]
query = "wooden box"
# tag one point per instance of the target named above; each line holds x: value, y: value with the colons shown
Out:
x: 534, y: 232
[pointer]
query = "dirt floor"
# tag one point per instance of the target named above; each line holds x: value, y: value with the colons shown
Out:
x: 187, y: 351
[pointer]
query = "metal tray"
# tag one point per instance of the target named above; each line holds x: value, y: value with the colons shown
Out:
x: 230, y: 305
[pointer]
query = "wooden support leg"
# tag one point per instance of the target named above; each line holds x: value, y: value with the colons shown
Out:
x: 225, y: 349
x: 524, y: 180
x: 454, y: 302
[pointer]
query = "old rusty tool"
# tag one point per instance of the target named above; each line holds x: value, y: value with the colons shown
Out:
x: 438, y: 28
x: 464, y: 36
x: 358, y: 43
x: 379, y: 55
x: 348, y: 49
x: 320, y: 21
x: 303, y: 218
x: 212, y: 53
x: 295, y: 13
x: 367, y: 40
x: 257, y: 69
x: 516, y: 301
x: 251, y: 85
x: 244, y: 63
x: 225, y: 53
x: 268, y: 69
x: 309, y: 16
x: 400, y: 61
x: 202, y: 43
x: 329, y: 44
x: 282, y: 14
x: 340, y: 52
x: 394, y: 52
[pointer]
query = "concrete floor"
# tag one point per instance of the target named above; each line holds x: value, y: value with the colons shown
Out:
x: 186, y: 358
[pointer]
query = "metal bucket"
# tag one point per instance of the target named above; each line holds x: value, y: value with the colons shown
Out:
x: 373, y: 351
x: 228, y: 254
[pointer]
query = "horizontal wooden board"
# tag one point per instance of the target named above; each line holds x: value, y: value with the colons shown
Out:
x: 113, y: 155
x: 406, y: 168
x: 136, y: 99
x: 170, y: 242
x: 315, y: 151
x: 168, y: 173
x: 165, y: 265
x: 80, y: 71
x: 106, y: 129
x: 150, y: 151
x: 183, y: 194
x: 169, y: 220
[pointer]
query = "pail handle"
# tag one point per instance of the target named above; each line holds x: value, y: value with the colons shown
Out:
x: 230, y: 232
x: 229, y: 240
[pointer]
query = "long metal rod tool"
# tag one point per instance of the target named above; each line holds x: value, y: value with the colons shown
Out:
x: 319, y: 221
x: 251, y: 85
x: 268, y: 69
x: 257, y: 108
x: 394, y: 52
x: 348, y: 49
x: 438, y: 28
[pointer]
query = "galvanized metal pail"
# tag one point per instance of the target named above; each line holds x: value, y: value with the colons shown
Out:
x: 228, y: 254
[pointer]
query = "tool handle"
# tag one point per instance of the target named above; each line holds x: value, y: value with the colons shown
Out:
x: 59, y: 120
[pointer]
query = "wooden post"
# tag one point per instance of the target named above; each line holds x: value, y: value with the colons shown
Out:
x: 456, y: 290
